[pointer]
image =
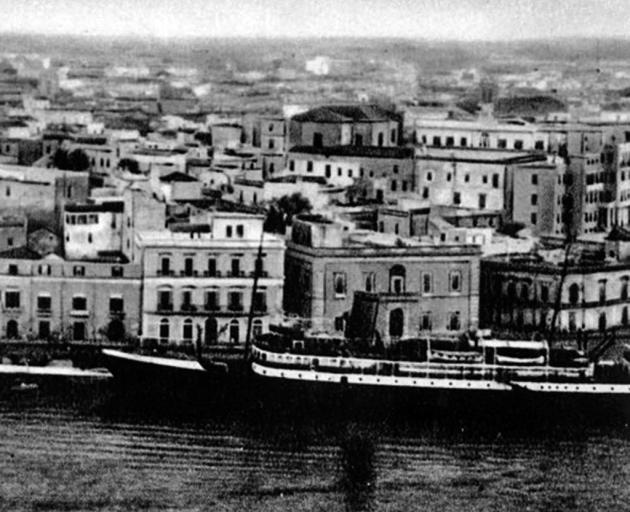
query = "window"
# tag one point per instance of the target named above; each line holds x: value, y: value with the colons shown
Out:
x: 397, y: 279
x: 13, y: 270
x: 467, y: 178
x: 8, y: 191
x: 463, y: 142
x: 165, y: 300
x: 395, y: 169
x: 212, y: 267
x: 358, y: 140
x: 43, y: 331
x: 187, y: 330
x: 624, y: 316
x: 457, y: 198
x: 392, y: 136
x: 271, y: 144
x: 426, y: 322
x: 12, y: 329
x: 495, y: 180
x: 164, y: 330
x: 257, y: 328
x: 43, y: 303
x: 394, y: 185
x: 482, y: 201
x: 211, y: 302
x: 228, y: 231
x: 235, y: 301
x: 291, y: 165
x: 235, y: 266
x: 339, y: 282
x: 602, y: 322
x: 396, y: 228
x: 429, y: 176
x: 10, y: 241
x: 186, y: 300
x: 544, y: 293
x: 117, y: 271
x: 502, y: 143
x: 188, y: 266
x: 235, y: 335
x: 427, y: 283
x: 381, y: 226
x: 396, y: 323
x: 533, y: 218
x: 339, y: 171
x: 437, y: 141
x: 78, y: 331
x: 455, y: 281
x: 318, y: 140
x: 79, y: 303
x: 448, y: 176
x: 165, y: 266
x: 534, y: 199
x: 539, y: 145
x: 574, y: 294
x: 518, y: 144
x: 602, y: 291
x: 328, y: 170
x: 454, y: 323
x: 624, y: 288
x: 309, y: 166
x: 116, y: 304
x: 369, y: 278
x: 260, y: 301
x: 425, y: 192
x: 78, y: 270
x: 12, y: 299
x: 381, y: 139
x: 450, y: 142
x: 534, y: 179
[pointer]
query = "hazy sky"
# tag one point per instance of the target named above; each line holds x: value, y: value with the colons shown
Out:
x: 430, y: 19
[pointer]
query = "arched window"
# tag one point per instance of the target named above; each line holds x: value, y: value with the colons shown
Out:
x: 12, y: 329
x: 381, y: 139
x: 624, y: 288
x: 397, y: 279
x: 257, y: 328
x: 235, y: 335
x: 187, y: 330
x: 574, y: 293
x: 396, y: 323
x: 165, y: 330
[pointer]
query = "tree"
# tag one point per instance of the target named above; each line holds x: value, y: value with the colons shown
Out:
x: 129, y: 164
x: 75, y: 160
x: 281, y: 212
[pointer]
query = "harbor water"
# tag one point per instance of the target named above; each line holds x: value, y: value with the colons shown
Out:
x: 92, y: 452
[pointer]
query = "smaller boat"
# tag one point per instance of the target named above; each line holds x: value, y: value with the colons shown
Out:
x: 23, y: 387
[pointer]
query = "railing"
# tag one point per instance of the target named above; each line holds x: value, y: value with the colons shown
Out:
x: 235, y: 307
x: 235, y: 273
x: 188, y: 307
x: 165, y: 307
x: 211, y: 307
x: 165, y: 272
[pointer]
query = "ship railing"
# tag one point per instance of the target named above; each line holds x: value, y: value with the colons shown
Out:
x: 428, y: 369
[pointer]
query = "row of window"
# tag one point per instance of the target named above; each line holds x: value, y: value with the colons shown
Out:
x: 78, y: 330
x: 187, y: 332
x: 91, y: 218
x: 77, y: 270
x: 575, y: 292
x: 484, y: 142
x: 13, y: 300
x: 211, y: 301
x: 397, y: 282
x: 496, y: 179
x: 397, y: 322
x: 236, y: 269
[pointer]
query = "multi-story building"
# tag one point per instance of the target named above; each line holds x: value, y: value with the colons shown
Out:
x: 469, y: 178
x: 390, y: 169
x: 344, y: 125
x: 272, y: 144
x: 46, y: 298
x: 419, y: 287
x: 92, y: 228
x: 198, y: 279
x: 519, y: 292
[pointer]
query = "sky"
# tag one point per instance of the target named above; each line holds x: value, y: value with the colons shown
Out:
x: 464, y: 20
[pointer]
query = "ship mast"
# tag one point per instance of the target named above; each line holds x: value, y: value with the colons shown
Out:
x: 257, y: 272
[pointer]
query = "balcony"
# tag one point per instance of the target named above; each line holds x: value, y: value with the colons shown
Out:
x: 235, y: 307
x: 165, y: 307
x: 208, y: 306
x: 192, y: 273
x: 190, y: 308
x: 165, y: 273
x: 262, y: 273
x: 260, y: 308
x: 117, y: 314
x: 44, y: 311
x: 208, y: 273
x: 236, y: 273
x: 80, y: 312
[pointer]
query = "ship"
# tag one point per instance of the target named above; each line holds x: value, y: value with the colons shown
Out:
x: 471, y: 372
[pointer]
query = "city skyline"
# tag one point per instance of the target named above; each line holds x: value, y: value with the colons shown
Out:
x: 467, y: 20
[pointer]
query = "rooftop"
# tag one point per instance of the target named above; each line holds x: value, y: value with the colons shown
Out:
x: 109, y: 206
x: 178, y: 176
x: 356, y: 151
x: 345, y: 114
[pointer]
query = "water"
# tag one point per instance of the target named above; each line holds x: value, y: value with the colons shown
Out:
x: 70, y: 455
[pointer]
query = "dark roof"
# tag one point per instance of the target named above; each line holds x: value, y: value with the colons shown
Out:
x: 177, y: 176
x: 190, y: 228
x: 357, y: 151
x: 110, y: 206
x: 294, y: 178
x: 20, y: 253
x: 528, y: 106
x: 619, y: 234
x: 345, y: 114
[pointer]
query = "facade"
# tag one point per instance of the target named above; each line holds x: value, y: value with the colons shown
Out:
x: 344, y: 125
x: 91, y: 229
x: 12, y: 232
x: 473, y: 178
x: 273, y: 144
x: 391, y: 169
x: 198, y: 281
x: 519, y: 293
x: 51, y: 298
x: 419, y: 287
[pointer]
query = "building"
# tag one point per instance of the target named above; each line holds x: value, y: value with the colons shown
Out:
x: 51, y: 298
x: 419, y: 287
x: 273, y: 144
x: 198, y: 279
x: 92, y: 228
x: 344, y: 125
x: 519, y: 292
x: 390, y: 169
x: 469, y: 178
x: 12, y: 232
